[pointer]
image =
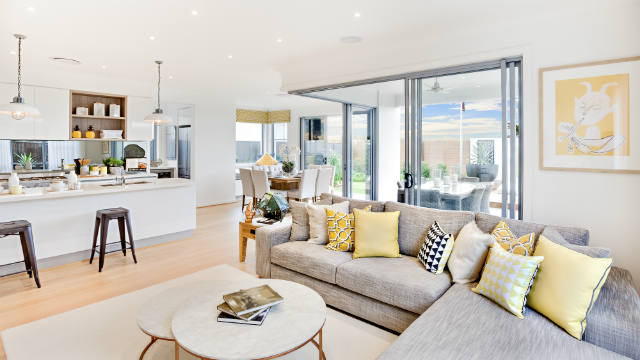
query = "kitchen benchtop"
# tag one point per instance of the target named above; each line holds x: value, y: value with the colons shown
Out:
x: 92, y: 189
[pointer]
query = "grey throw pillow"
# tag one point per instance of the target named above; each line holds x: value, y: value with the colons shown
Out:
x: 299, y: 221
x: 556, y: 237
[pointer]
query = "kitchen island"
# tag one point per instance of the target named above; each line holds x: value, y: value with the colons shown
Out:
x: 63, y: 222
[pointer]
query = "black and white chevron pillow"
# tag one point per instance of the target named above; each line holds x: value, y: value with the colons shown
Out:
x: 436, y: 249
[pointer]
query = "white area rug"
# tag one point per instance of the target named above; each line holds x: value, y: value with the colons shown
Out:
x: 108, y: 330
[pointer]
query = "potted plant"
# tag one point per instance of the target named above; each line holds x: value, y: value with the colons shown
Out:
x: 482, y: 165
x: 114, y: 164
x: 288, y: 155
x: 25, y: 160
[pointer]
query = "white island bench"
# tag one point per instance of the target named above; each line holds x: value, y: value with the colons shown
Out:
x: 63, y: 222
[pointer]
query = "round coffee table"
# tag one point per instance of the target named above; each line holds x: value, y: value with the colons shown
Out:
x: 154, y: 317
x: 288, y: 326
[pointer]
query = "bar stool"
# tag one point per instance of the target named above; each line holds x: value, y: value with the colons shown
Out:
x: 102, y: 224
x: 23, y: 228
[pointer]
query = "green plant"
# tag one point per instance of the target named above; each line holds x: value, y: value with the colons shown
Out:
x: 287, y: 166
x: 112, y: 162
x: 482, y: 153
x: 23, y: 159
x: 334, y: 160
x: 426, y: 170
x: 359, y: 177
x: 443, y: 167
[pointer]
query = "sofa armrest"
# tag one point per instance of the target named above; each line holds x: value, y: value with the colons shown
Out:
x: 266, y: 238
x: 614, y: 321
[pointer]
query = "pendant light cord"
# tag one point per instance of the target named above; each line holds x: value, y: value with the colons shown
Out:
x: 19, y: 67
x: 159, y: 85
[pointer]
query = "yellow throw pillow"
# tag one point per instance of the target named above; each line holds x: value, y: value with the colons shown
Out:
x: 376, y: 234
x: 341, y: 227
x: 507, y: 277
x: 567, y: 285
x: 520, y: 246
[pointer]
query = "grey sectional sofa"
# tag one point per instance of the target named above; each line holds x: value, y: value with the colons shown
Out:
x: 439, y: 319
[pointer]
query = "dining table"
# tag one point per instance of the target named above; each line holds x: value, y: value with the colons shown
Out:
x: 284, y: 183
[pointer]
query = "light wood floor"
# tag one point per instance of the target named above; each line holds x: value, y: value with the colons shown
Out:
x: 66, y: 287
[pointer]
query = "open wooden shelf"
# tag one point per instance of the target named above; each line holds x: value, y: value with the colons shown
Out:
x: 97, y: 117
x: 100, y: 122
x: 96, y: 139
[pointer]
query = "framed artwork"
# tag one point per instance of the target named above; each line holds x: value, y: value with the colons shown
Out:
x: 590, y: 116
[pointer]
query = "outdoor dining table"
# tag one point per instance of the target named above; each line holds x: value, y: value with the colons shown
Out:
x: 284, y: 183
x: 452, y: 192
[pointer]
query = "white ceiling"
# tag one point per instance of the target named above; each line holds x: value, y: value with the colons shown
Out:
x: 196, y: 48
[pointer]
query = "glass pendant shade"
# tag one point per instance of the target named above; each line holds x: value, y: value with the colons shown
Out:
x: 17, y: 108
x: 157, y: 117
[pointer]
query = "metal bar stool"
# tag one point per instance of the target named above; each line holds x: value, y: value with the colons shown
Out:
x: 102, y: 225
x: 23, y: 228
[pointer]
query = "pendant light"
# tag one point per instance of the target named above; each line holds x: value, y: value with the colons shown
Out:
x: 158, y: 117
x: 17, y: 108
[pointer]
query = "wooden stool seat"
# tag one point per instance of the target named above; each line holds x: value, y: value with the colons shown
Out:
x: 103, y: 217
x: 23, y: 229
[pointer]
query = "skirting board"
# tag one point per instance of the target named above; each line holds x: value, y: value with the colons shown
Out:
x: 85, y: 254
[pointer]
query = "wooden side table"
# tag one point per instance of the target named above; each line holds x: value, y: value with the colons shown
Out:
x: 247, y: 231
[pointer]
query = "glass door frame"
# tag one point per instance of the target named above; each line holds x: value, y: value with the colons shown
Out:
x: 413, y: 114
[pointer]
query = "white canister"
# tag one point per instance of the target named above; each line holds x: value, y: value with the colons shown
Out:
x: 84, y: 170
x: 72, y: 180
x: 14, y: 180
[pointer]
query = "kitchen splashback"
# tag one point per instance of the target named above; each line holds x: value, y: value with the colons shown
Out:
x: 48, y: 155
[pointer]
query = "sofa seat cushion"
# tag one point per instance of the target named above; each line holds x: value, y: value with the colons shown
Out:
x: 309, y: 259
x: 465, y: 325
x: 402, y: 282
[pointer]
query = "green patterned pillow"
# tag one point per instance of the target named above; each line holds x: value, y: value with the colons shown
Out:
x: 507, y: 278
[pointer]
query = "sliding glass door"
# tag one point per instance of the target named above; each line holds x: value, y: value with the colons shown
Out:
x: 321, y: 143
x: 465, y: 141
x: 361, y: 180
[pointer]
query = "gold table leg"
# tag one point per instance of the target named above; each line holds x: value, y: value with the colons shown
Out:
x: 144, y: 351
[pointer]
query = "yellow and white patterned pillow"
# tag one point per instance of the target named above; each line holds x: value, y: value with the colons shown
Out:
x: 520, y: 246
x: 507, y: 278
x: 341, y: 230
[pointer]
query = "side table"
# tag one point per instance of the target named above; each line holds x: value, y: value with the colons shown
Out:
x: 247, y: 231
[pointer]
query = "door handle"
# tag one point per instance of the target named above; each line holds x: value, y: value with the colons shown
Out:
x: 408, y: 180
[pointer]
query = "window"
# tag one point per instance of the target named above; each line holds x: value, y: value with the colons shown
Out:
x: 279, y: 138
x: 37, y: 149
x: 248, y: 142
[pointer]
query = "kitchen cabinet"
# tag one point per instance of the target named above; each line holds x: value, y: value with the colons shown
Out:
x: 137, y: 108
x: 53, y: 122
x: 9, y: 127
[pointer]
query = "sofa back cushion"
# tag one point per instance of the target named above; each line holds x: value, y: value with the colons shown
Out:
x: 415, y: 221
x: 376, y: 206
x: 577, y: 236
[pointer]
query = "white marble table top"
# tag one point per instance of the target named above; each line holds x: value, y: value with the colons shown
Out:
x: 287, y: 326
x: 154, y: 317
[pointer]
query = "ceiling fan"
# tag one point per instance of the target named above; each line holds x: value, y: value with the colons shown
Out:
x: 436, y: 88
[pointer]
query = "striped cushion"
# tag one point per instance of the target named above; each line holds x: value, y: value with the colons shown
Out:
x: 436, y: 249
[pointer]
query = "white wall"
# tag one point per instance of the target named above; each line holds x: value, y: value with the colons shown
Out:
x: 606, y: 204
x: 389, y: 116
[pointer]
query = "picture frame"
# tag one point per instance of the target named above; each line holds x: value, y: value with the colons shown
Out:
x: 589, y: 116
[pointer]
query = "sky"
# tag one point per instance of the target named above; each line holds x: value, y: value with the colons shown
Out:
x: 481, y: 119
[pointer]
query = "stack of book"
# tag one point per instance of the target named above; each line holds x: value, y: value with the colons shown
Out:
x: 249, y: 306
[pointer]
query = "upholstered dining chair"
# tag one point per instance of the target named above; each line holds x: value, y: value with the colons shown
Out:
x: 323, y: 183
x: 247, y: 185
x: 333, y: 176
x: 260, y: 184
x: 307, y: 188
x: 473, y: 202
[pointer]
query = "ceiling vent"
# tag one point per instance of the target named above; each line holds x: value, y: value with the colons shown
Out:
x: 64, y: 60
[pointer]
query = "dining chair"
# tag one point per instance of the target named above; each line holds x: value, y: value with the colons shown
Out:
x: 247, y: 185
x: 473, y: 201
x: 323, y: 183
x: 260, y: 184
x: 333, y: 176
x: 307, y: 188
